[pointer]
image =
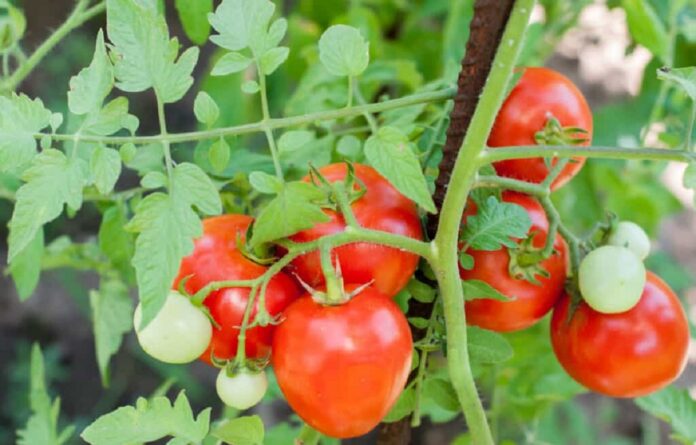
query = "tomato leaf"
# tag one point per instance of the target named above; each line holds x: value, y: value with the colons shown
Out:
x: 495, y: 224
x: 442, y: 393
x: 194, y: 17
x: 114, y: 241
x: 272, y: 59
x: 206, y: 110
x: 232, y: 62
x: 149, y: 421
x: 404, y: 406
x: 42, y: 426
x: 91, y: 85
x: 344, y: 51
x: 421, y: 291
x: 246, y: 430
x: 144, y: 56
x: 476, y: 289
x: 26, y: 267
x: 106, y: 168
x: 166, y: 226
x: 646, y: 27
x: 53, y: 181
x: 111, y: 118
x: 676, y: 407
x: 294, y: 209
x: 392, y: 155
x: 112, y: 318
x: 294, y: 140
x: 684, y: 77
x: 219, y: 155
x: 20, y: 118
x: 265, y: 183
x: 487, y: 346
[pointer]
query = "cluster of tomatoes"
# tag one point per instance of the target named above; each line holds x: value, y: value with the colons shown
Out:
x: 625, y: 334
x: 342, y: 366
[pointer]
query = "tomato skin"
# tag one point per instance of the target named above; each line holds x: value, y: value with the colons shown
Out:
x: 532, y: 301
x: 342, y: 367
x: 215, y: 258
x: 624, y: 355
x: 539, y: 92
x: 382, y: 207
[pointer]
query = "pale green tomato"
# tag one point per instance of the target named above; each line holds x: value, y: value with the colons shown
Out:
x: 611, y: 279
x: 243, y: 390
x: 631, y: 236
x: 179, y: 333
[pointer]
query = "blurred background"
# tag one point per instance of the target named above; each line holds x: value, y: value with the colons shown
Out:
x: 588, y: 41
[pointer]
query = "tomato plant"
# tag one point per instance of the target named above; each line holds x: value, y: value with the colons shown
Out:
x: 217, y: 257
x: 628, y: 354
x: 407, y: 164
x: 342, y: 367
x: 380, y: 207
x: 530, y: 296
x: 540, y: 94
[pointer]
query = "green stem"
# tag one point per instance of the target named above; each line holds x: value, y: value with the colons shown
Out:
x: 655, y: 111
x: 344, y: 206
x: 690, y: 130
x: 445, y: 244
x: 165, y: 144
x: 78, y: 16
x: 334, y: 290
x: 241, y: 338
x: 266, y: 128
x: 422, y: 367
x: 533, y: 151
x: 349, y: 103
x: 374, y: 127
x: 308, y: 436
x: 258, y: 127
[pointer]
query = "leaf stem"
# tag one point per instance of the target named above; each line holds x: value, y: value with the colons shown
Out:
x: 165, y: 143
x: 602, y: 152
x: 360, y: 99
x: 308, y: 436
x: 266, y: 128
x: 422, y: 367
x: 272, y: 123
x: 690, y: 130
x: 445, y: 244
x: 79, y: 15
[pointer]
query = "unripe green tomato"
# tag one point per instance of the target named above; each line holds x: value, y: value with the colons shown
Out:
x: 243, y: 390
x: 179, y: 333
x: 631, y: 236
x: 611, y: 279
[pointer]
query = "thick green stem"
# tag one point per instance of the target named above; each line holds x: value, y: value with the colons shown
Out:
x: 445, y: 244
x: 533, y: 151
x: 80, y: 15
x: 259, y: 127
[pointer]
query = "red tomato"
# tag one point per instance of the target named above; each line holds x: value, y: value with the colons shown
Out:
x: 530, y: 301
x: 215, y: 258
x: 630, y: 354
x: 540, y: 93
x: 382, y: 207
x: 342, y: 367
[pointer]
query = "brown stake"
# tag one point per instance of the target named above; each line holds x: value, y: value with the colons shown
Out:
x: 485, y: 31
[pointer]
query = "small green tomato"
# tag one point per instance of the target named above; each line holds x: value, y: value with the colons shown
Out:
x: 611, y: 279
x: 631, y: 236
x: 243, y: 390
x: 179, y: 333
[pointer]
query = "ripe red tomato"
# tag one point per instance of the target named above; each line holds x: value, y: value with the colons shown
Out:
x: 342, y: 367
x: 215, y: 258
x: 531, y: 301
x: 382, y: 207
x: 630, y: 354
x: 540, y: 93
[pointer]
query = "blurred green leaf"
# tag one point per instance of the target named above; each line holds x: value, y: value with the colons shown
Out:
x: 676, y: 407
x: 344, y: 51
x: 194, y: 17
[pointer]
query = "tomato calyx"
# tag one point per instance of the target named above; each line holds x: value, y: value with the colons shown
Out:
x: 554, y: 133
x: 347, y: 191
x: 525, y: 261
x: 262, y: 254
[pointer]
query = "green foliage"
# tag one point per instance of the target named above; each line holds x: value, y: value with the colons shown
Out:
x: 494, y: 225
x: 194, y: 16
x: 246, y: 430
x: 20, y: 117
x: 343, y: 51
x: 676, y: 407
x: 148, y: 421
x: 42, y: 426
